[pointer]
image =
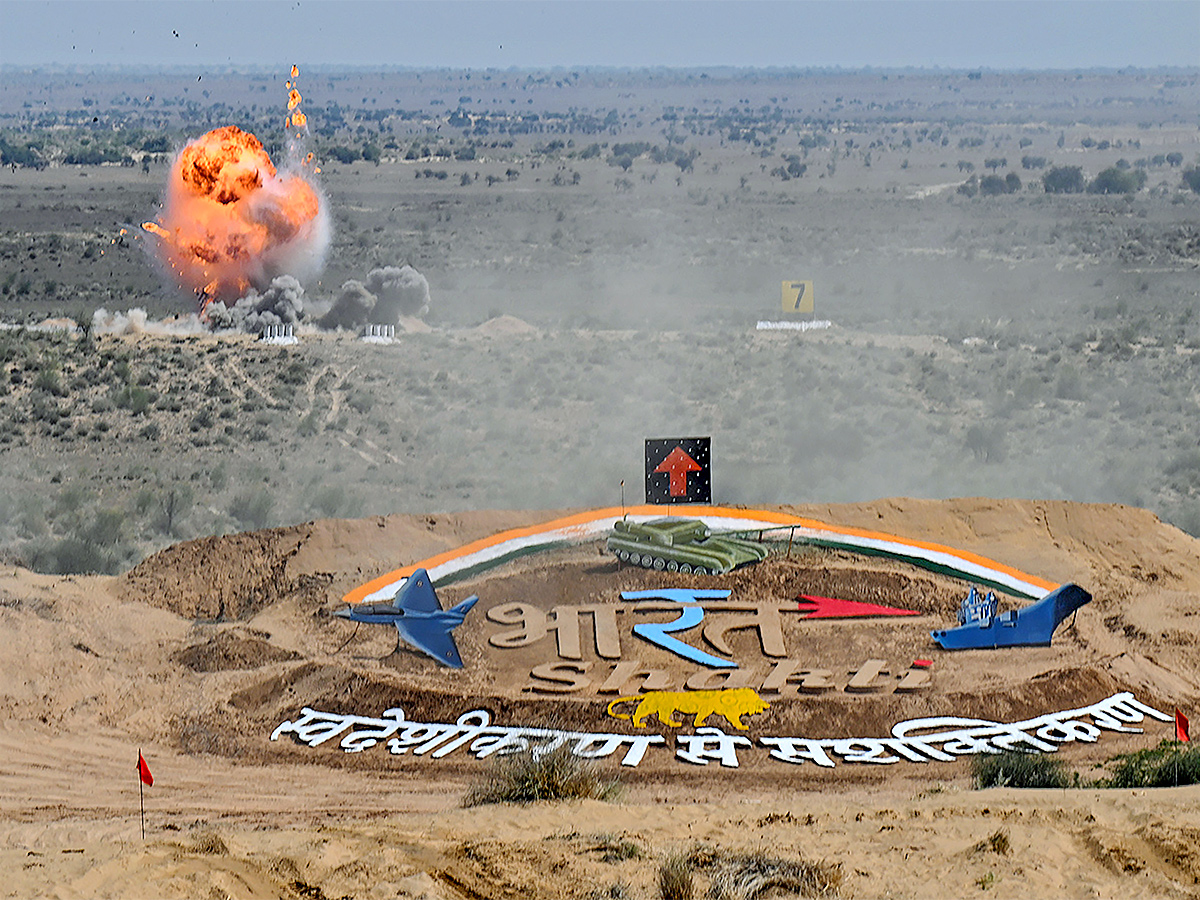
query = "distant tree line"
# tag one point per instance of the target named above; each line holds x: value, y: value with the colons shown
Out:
x: 1118, y: 179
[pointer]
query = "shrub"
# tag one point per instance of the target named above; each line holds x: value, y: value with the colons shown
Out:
x: 1020, y: 770
x: 1166, y: 765
x: 252, y: 508
x: 997, y: 843
x: 344, y: 155
x: 1117, y: 181
x: 613, y: 849
x: 526, y: 778
x: 106, y: 529
x: 675, y: 878
x: 992, y: 185
x: 75, y: 556
x: 1064, y: 180
x: 135, y: 399
x: 48, y: 380
x: 751, y: 875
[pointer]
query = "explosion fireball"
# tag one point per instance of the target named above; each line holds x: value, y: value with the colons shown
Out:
x: 230, y: 222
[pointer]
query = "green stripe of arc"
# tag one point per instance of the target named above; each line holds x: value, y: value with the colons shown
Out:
x: 477, y: 568
x: 921, y: 562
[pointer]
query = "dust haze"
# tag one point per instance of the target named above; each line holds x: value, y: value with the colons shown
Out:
x: 577, y: 261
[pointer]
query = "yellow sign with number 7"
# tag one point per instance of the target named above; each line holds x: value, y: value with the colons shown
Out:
x: 797, y: 296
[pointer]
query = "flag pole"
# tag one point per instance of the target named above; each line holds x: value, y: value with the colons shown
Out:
x: 141, y: 794
x: 1176, y: 754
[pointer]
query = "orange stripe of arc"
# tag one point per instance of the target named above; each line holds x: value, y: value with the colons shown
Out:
x: 761, y: 515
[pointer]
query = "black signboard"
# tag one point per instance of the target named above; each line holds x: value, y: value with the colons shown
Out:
x: 678, y: 470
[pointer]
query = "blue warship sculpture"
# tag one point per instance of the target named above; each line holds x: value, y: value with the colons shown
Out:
x: 1033, y: 626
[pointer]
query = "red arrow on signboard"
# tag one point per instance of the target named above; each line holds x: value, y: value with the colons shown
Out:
x: 677, y: 465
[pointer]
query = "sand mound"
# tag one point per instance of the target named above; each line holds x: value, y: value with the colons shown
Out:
x: 232, y: 650
x: 218, y: 577
x: 111, y: 665
x: 504, y: 326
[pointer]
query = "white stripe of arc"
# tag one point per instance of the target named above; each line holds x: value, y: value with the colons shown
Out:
x: 582, y: 532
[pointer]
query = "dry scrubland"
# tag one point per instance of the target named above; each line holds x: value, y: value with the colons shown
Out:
x: 1023, y: 344
x: 599, y: 246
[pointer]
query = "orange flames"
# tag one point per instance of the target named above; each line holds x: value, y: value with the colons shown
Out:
x: 230, y: 221
x: 296, y: 117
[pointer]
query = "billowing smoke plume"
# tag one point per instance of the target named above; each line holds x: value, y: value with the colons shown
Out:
x: 230, y: 223
x: 401, y: 291
x: 281, y: 303
x: 352, y: 307
x: 388, y: 294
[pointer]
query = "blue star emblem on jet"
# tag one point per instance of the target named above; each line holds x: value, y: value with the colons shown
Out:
x: 418, y: 617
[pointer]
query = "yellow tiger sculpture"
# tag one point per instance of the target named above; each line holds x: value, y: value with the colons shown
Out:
x: 732, y: 703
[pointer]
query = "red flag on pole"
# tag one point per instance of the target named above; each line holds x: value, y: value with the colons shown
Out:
x: 144, y: 771
x: 1181, y: 726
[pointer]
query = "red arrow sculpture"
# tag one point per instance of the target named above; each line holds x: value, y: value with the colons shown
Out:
x: 814, y: 607
x: 677, y: 465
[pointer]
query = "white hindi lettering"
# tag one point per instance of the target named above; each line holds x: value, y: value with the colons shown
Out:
x: 934, y: 739
x: 710, y: 743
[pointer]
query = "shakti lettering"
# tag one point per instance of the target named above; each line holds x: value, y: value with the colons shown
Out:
x: 935, y: 739
x: 786, y: 678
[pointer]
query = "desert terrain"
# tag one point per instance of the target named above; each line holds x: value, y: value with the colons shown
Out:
x: 113, y: 665
x: 180, y: 509
x: 1025, y: 344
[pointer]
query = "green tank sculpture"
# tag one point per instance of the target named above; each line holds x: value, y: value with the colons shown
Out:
x: 680, y: 545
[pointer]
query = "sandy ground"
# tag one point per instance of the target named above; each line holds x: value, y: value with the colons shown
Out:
x: 98, y: 668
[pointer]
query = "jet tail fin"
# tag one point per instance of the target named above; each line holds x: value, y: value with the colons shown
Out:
x: 465, y: 607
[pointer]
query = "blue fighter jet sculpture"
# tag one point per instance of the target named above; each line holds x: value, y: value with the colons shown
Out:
x: 418, y: 617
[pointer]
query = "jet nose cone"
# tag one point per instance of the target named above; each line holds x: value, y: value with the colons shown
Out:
x: 342, y: 613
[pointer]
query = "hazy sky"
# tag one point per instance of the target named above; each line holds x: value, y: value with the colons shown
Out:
x: 508, y: 33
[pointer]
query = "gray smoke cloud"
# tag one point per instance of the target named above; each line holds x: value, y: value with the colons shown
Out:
x: 388, y: 293
x: 351, y: 309
x: 280, y: 304
x: 402, y: 291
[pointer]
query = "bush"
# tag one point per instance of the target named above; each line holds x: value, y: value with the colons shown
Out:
x: 525, y: 778
x: 1117, y: 181
x: 75, y: 556
x: 992, y: 185
x: 1064, y: 180
x: 750, y: 875
x: 344, y: 155
x: 1020, y: 770
x: 252, y: 508
x: 1166, y: 765
x: 675, y: 878
x: 1191, y: 177
x: 614, y: 849
x: 743, y: 876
